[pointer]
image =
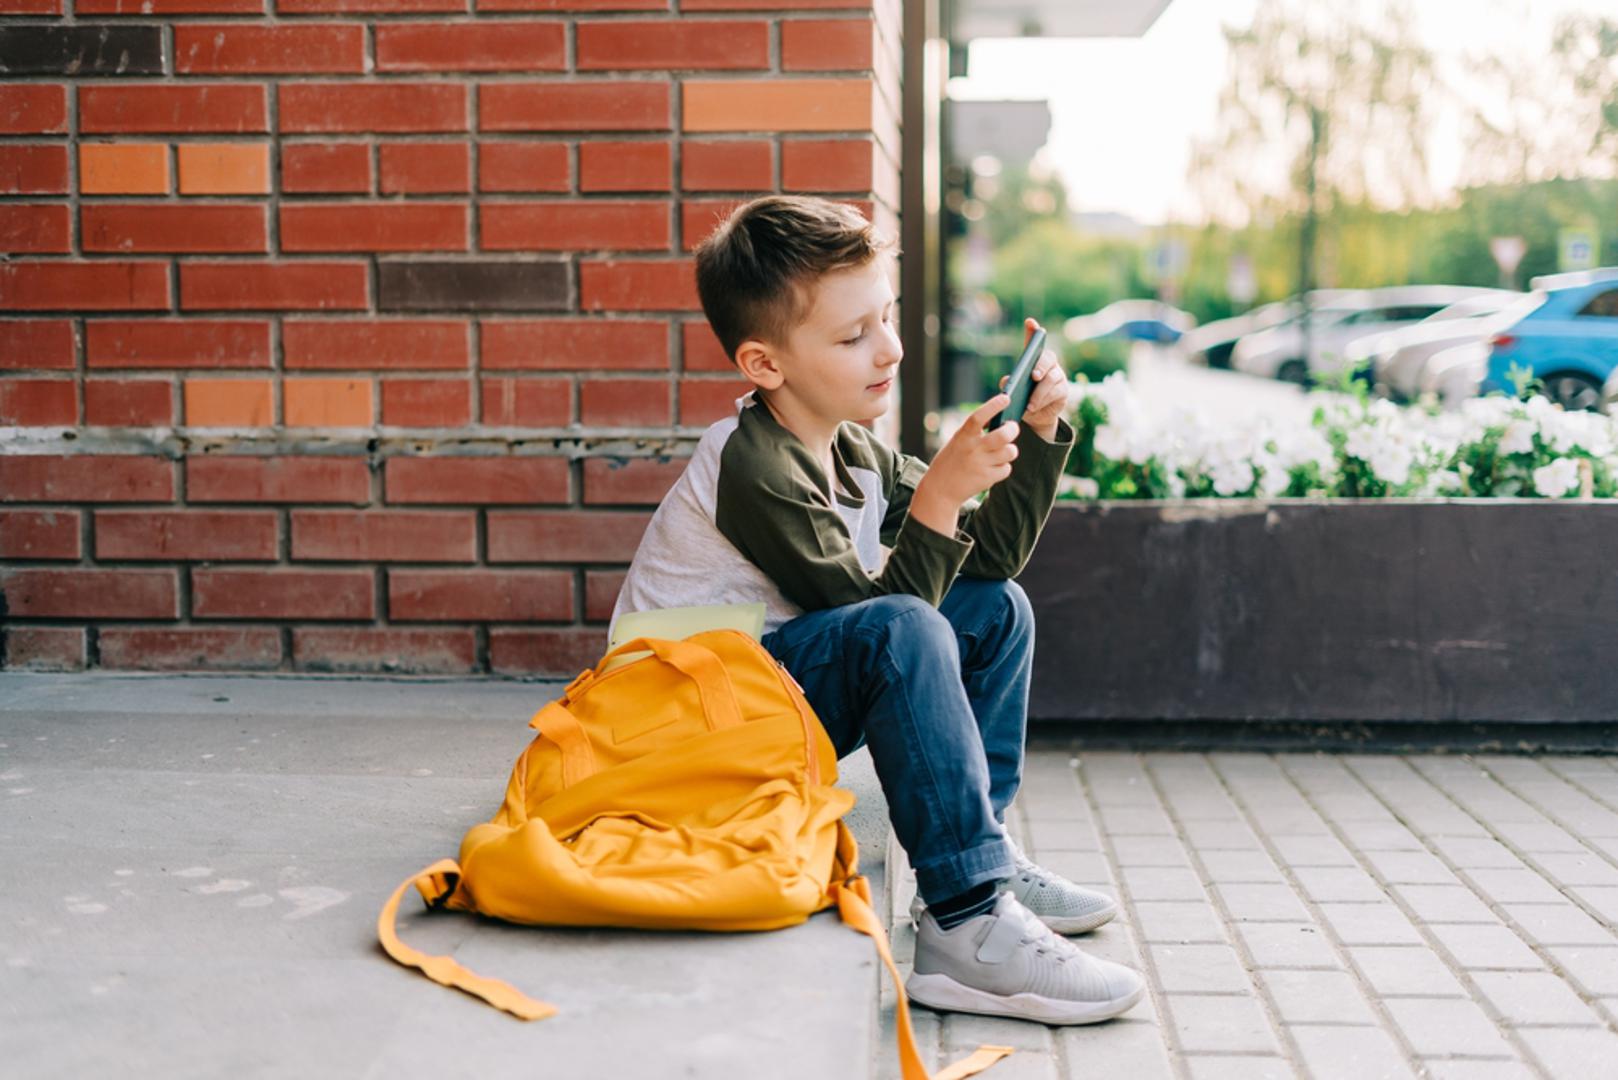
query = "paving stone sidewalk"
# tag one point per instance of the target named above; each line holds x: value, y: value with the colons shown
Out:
x: 1321, y: 915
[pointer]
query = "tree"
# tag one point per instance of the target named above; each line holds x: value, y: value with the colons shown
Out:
x: 1336, y: 96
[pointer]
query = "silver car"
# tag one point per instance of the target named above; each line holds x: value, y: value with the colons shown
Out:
x: 1396, y: 357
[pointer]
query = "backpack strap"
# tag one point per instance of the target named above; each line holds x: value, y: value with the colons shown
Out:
x: 435, y: 883
x: 699, y: 664
x: 854, y: 905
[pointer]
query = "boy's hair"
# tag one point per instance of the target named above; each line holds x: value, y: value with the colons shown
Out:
x: 756, y: 271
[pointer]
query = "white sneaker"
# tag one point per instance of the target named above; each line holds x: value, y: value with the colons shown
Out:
x: 1061, y: 905
x: 1008, y: 963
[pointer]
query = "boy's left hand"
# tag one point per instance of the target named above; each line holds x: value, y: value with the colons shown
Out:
x: 1049, y: 398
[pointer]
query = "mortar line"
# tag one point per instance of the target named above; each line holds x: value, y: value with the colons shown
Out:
x: 1312, y: 906
x: 1600, y: 853
x: 1291, y: 1053
x: 1508, y: 1032
x: 1516, y: 850
x: 1143, y: 956
x: 1585, y: 994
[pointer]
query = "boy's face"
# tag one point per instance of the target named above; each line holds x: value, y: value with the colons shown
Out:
x: 841, y: 362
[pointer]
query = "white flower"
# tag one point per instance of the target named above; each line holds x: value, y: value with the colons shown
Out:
x: 1518, y: 438
x: 1083, y: 487
x: 1557, y: 479
x: 1110, y: 442
x: 1231, y: 477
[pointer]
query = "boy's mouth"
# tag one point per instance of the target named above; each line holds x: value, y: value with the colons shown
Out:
x: 883, y: 385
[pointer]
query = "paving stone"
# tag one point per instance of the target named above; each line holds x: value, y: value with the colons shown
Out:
x: 1047, y: 836
x: 1126, y: 1047
x: 1112, y: 942
x: 1440, y: 1027
x: 1487, y: 947
x: 1135, y: 821
x: 1238, y: 1067
x: 1602, y: 900
x: 1312, y: 851
x: 1288, y: 945
x: 1515, y: 886
x: 1445, y: 904
x: 1573, y: 1052
x: 1148, y: 851
x: 1533, y: 997
x: 1595, y: 968
x: 1163, y: 883
x: 1558, y: 924
x: 1079, y: 866
x: 1322, y: 997
x: 1338, y: 883
x: 1468, y: 852
x: 1177, y: 921
x: 1410, y: 868
x: 966, y: 1031
x: 1376, y: 836
x: 1349, y: 1053
x: 1246, y: 866
x: 1537, y: 838
x: 1370, y: 924
x: 1024, y: 1065
x: 1477, y: 1070
x: 1220, y: 835
x: 1206, y: 1022
x: 1585, y: 868
x: 1407, y: 970
x: 1199, y: 969
x: 1261, y: 903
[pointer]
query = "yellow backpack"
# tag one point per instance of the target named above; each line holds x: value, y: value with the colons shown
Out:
x: 688, y: 789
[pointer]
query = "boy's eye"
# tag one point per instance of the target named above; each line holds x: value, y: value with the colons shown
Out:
x: 855, y: 340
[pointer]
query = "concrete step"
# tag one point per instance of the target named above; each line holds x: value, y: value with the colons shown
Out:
x: 206, y: 856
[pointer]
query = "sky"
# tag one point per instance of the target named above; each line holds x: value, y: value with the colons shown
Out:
x: 1124, y: 111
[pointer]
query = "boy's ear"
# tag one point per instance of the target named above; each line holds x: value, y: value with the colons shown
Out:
x: 757, y: 364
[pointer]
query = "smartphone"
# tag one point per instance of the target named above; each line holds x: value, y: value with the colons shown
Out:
x: 1021, y: 384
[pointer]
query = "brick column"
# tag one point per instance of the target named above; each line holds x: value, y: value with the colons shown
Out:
x: 361, y: 335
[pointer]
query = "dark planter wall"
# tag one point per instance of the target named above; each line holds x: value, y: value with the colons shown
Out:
x: 1475, y: 610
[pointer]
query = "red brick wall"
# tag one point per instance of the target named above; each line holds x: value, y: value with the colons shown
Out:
x: 360, y: 335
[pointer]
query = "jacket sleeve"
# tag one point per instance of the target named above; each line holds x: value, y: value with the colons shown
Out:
x: 1005, y: 526
x: 782, y: 520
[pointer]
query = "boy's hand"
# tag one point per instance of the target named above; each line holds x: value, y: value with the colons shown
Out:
x: 974, y: 459
x: 1049, y: 399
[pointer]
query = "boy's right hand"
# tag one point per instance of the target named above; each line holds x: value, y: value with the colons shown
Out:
x: 974, y: 459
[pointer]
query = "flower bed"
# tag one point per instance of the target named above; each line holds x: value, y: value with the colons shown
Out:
x: 1352, y: 447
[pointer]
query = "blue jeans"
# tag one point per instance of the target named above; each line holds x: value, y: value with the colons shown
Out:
x: 941, y: 696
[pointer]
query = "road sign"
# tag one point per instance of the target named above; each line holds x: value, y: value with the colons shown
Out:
x: 1576, y: 249
x: 1508, y: 252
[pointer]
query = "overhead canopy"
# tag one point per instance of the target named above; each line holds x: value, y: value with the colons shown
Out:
x: 972, y: 19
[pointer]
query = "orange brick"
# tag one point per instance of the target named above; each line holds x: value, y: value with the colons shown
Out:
x: 327, y: 402
x: 224, y: 169
x: 228, y: 403
x: 778, y: 105
x: 123, y: 169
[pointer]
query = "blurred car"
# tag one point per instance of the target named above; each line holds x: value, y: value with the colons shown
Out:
x: 1568, y: 340
x: 1279, y: 351
x: 1131, y: 320
x: 1212, y: 343
x: 1454, y: 374
x: 1394, y: 359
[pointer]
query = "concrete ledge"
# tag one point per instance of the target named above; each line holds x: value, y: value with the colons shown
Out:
x: 203, y: 861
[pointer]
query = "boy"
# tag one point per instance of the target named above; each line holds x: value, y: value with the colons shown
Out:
x: 892, y: 607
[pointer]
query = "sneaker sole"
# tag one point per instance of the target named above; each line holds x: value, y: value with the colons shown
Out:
x: 941, y: 992
x: 1082, y: 923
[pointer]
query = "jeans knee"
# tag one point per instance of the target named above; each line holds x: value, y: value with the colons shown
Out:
x: 909, y: 621
x: 1014, y: 613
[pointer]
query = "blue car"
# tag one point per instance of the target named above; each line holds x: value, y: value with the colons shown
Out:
x: 1569, y: 340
